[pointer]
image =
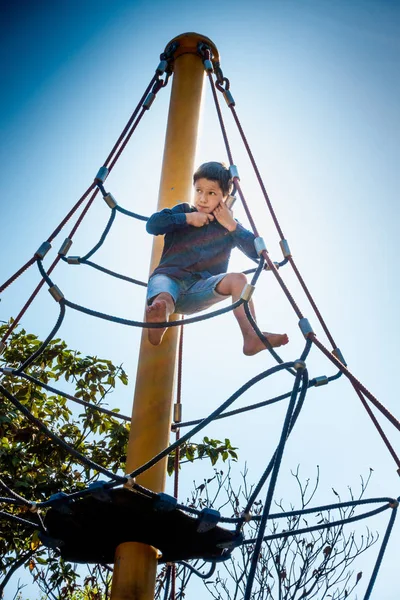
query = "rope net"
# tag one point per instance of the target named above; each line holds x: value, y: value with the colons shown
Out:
x: 296, y: 370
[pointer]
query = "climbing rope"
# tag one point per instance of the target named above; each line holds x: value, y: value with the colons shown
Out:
x: 297, y: 368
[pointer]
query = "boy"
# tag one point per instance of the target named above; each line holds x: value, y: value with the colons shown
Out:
x: 198, y: 241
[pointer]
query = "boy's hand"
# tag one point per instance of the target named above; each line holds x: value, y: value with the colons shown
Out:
x: 224, y: 217
x: 198, y: 219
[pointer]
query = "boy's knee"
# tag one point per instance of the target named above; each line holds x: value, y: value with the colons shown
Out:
x: 239, y: 279
x: 232, y: 283
x: 162, y: 296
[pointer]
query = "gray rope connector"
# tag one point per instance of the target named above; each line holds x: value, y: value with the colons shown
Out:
x: 130, y: 481
x: 285, y: 248
x: 247, y: 292
x: 268, y: 268
x: 228, y: 98
x: 299, y: 365
x: 65, y: 246
x: 208, y: 66
x: 233, y: 170
x: 162, y: 67
x: 8, y: 370
x: 56, y: 293
x: 74, y: 260
x: 34, y: 507
x: 336, y: 352
x: 259, y: 245
x: 101, y: 175
x: 230, y: 201
x: 246, y: 516
x: 177, y: 412
x: 149, y: 100
x: 305, y: 327
x: 321, y: 380
x: 42, y: 250
x: 110, y: 200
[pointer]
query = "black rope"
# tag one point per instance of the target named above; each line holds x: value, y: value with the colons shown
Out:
x: 128, y: 213
x: 145, y: 325
x: 84, y: 403
x: 46, y: 342
x: 112, y: 273
x: 319, y: 526
x: 250, y: 407
x: 197, y: 572
x: 103, y: 236
x: 83, y: 459
x: 210, y: 418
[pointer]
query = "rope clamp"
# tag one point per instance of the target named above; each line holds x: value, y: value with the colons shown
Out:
x: 65, y: 246
x: 8, y: 370
x: 177, y: 412
x: 336, y: 352
x: 110, y: 200
x: 2, y: 347
x: 234, y: 173
x: 246, y: 516
x: 268, y: 268
x: 130, y: 482
x: 101, y: 175
x: 162, y: 67
x: 247, y: 292
x: 56, y: 293
x: 394, y: 504
x: 43, y: 250
x: 299, y: 365
x: 305, y: 327
x: 164, y: 502
x: 229, y: 98
x: 260, y: 246
x: 34, y: 507
x: 285, y: 248
x: 208, y: 66
x: 149, y: 100
x: 230, y: 201
x: 208, y: 519
x: 321, y: 380
x: 74, y: 260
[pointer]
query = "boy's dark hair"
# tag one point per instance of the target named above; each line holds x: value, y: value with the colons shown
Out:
x: 215, y: 171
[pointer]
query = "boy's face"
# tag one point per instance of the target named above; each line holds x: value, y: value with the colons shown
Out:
x: 207, y: 195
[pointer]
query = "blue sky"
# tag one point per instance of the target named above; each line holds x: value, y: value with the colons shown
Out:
x: 317, y: 88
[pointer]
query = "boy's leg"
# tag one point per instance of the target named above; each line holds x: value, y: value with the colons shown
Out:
x: 162, y: 292
x: 232, y: 285
x: 161, y: 307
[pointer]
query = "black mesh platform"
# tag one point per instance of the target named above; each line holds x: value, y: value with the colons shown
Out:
x: 90, y: 529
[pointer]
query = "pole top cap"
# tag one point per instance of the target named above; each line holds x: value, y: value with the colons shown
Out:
x: 188, y: 43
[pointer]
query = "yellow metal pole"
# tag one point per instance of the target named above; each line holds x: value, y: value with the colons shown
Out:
x: 136, y: 564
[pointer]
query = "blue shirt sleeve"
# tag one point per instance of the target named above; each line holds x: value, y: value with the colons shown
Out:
x: 168, y: 220
x: 244, y: 240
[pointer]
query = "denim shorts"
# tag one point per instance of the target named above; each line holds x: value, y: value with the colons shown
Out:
x: 190, y: 295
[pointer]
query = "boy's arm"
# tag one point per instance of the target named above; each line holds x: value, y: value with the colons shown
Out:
x: 168, y: 220
x: 244, y: 240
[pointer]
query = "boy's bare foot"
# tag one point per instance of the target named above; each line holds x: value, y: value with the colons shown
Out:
x: 157, y: 313
x: 253, y: 344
